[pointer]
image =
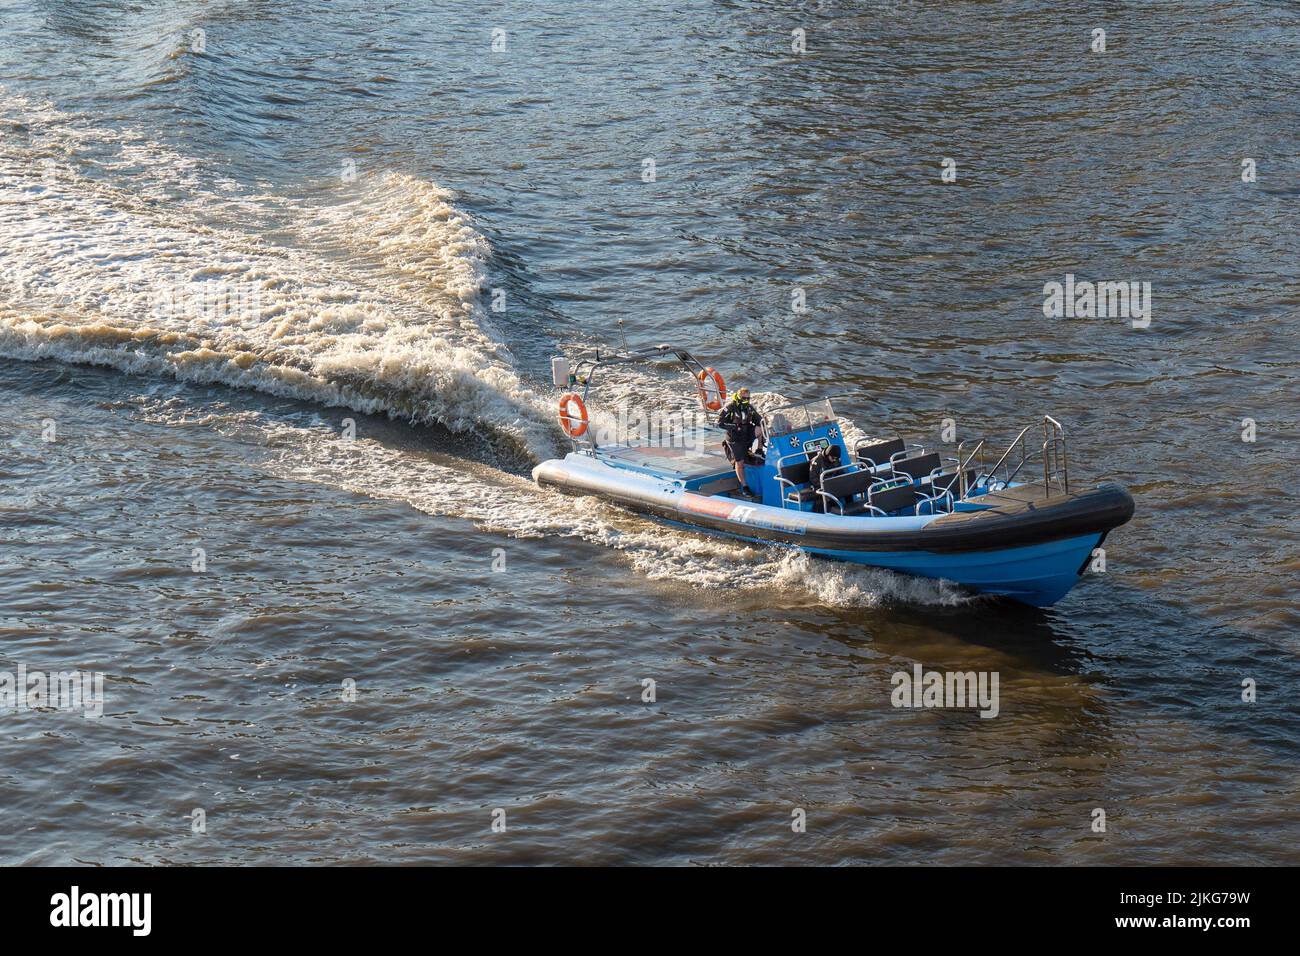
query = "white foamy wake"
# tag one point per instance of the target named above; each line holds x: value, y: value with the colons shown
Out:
x: 374, y: 306
x: 371, y: 303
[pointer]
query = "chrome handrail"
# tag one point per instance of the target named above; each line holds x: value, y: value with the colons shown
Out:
x: 583, y: 373
x: 832, y: 499
x: 1056, y: 462
x: 1018, y: 440
x: 933, y: 499
x: 840, y: 468
x: 962, y: 466
x: 1058, y: 454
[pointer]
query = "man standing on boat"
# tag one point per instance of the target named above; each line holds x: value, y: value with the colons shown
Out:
x: 743, y: 424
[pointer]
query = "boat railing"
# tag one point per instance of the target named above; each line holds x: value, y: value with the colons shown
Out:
x: 964, y: 460
x: 1052, y: 452
x: 583, y: 374
x: 1056, y: 460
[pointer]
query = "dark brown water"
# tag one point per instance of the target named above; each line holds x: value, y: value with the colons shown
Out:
x: 498, y: 636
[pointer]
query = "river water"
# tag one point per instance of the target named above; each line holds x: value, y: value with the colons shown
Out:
x: 235, y: 234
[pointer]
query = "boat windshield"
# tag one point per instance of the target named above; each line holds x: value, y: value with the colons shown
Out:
x: 800, y: 417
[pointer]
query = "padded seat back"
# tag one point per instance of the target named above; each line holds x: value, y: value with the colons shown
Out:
x: 796, y: 472
x: 879, y: 453
x: 893, y: 499
x: 846, y: 484
x: 918, y: 467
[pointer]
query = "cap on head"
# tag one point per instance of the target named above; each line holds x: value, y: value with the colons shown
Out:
x: 834, y: 452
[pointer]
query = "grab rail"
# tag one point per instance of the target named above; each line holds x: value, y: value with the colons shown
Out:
x: 1057, y: 459
x: 1056, y: 463
x: 962, y: 466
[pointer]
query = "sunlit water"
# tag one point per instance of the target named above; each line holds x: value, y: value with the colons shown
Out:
x: 371, y: 175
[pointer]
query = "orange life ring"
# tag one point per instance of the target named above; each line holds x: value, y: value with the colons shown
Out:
x: 575, y: 426
x: 711, y: 382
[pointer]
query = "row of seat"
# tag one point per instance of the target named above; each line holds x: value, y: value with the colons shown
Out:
x: 883, y: 481
x: 884, y: 496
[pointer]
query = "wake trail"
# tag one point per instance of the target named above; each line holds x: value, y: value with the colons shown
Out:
x: 374, y: 306
x: 120, y: 252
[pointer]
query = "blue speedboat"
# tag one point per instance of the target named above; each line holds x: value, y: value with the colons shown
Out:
x: 1010, y: 526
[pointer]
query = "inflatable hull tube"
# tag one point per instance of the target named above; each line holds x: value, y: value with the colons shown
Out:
x: 1018, y: 543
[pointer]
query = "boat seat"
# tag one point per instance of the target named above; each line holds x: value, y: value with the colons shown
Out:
x: 894, y: 498
x: 885, y: 500
x: 839, y: 489
x: 918, y: 467
x: 790, y: 477
x: 796, y: 472
x: 877, y: 453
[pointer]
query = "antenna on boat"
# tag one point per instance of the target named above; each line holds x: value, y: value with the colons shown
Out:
x: 622, y: 332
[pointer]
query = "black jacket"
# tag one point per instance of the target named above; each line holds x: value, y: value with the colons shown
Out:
x: 821, y: 462
x: 741, y: 422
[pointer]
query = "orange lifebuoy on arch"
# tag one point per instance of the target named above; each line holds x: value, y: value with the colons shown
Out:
x: 713, y: 390
x: 575, y: 426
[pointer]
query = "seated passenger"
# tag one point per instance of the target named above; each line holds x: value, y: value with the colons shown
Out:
x: 825, y: 459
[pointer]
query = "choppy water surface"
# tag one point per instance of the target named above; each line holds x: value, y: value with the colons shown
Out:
x: 133, y: 164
